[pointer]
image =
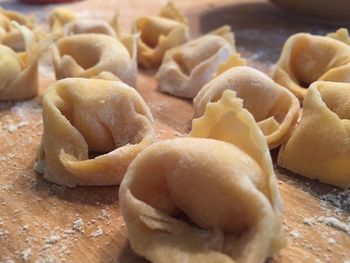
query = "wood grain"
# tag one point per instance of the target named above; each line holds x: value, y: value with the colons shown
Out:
x: 36, y: 217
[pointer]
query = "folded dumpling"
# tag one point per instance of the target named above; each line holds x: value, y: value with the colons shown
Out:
x: 319, y: 147
x: 204, y: 200
x: 275, y: 109
x: 307, y: 58
x: 159, y: 34
x: 87, y: 55
x: 19, y: 71
x: 187, y: 68
x: 96, y: 26
x: 86, y: 117
x: 59, y: 18
x: 342, y: 34
x: 10, y: 35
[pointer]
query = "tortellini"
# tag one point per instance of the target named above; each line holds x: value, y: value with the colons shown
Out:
x: 86, y: 117
x: 187, y: 68
x: 275, y: 109
x: 9, y: 34
x: 342, y: 35
x: 19, y: 71
x: 82, y: 26
x: 59, y: 18
x: 319, y: 148
x: 159, y: 34
x: 307, y: 58
x: 87, y: 55
x: 204, y: 200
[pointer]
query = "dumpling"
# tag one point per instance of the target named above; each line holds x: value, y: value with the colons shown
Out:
x: 9, y: 34
x: 275, y: 109
x: 82, y: 26
x: 59, y: 18
x: 86, y: 117
x: 307, y: 58
x: 19, y: 71
x: 87, y: 55
x: 187, y: 68
x: 341, y: 34
x: 160, y: 33
x: 204, y: 200
x: 319, y: 148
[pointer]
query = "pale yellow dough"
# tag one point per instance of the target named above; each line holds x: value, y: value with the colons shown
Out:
x: 19, y: 71
x: 275, y: 109
x: 160, y: 33
x: 87, y: 116
x: 319, y: 148
x: 87, y: 55
x: 9, y: 34
x: 307, y: 58
x: 204, y: 200
x: 187, y: 68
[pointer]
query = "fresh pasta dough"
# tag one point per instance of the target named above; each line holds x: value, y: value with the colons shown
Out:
x: 19, y: 71
x: 319, y: 148
x: 160, y: 33
x: 275, y: 109
x: 307, y: 58
x: 87, y: 55
x: 10, y: 35
x: 204, y: 200
x: 187, y: 68
x: 86, y: 116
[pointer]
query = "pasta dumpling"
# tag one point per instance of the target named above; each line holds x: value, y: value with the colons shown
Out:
x: 187, y: 68
x: 307, y: 58
x: 10, y: 35
x: 19, y: 71
x: 204, y: 200
x: 341, y: 34
x: 83, y: 26
x: 319, y: 148
x: 87, y: 55
x: 83, y: 117
x: 159, y: 34
x: 275, y: 109
x: 59, y: 18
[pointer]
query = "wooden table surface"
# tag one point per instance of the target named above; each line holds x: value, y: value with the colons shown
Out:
x: 43, y: 222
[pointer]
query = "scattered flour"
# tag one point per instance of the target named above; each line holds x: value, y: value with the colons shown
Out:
x: 98, y: 232
x: 295, y: 233
x: 52, y: 239
x: 14, y: 127
x: 26, y: 254
x: 78, y: 225
x: 336, y: 223
x: 340, y: 199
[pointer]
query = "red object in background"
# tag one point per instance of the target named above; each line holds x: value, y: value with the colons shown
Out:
x: 43, y: 2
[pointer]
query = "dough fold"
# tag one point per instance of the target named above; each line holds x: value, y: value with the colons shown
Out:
x: 10, y: 35
x: 187, y: 68
x: 204, y: 200
x: 319, y: 148
x: 307, y: 58
x: 160, y: 33
x: 87, y: 55
x: 88, y: 117
x: 275, y: 109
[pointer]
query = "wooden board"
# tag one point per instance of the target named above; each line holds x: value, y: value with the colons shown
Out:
x: 37, y: 217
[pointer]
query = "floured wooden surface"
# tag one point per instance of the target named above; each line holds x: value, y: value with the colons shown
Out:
x: 43, y: 222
